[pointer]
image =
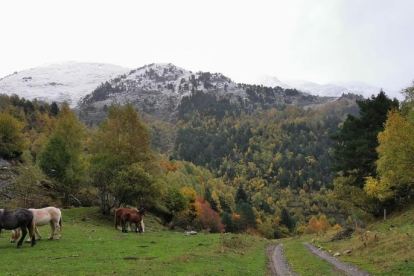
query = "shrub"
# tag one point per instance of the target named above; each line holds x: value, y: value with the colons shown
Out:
x: 336, y: 227
x: 266, y: 229
x: 301, y: 229
x: 207, y: 218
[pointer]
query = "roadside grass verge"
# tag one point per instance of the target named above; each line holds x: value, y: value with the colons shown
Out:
x: 384, y: 248
x: 91, y: 246
x: 305, y: 263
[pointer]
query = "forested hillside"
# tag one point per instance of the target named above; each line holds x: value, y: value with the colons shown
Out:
x: 220, y: 166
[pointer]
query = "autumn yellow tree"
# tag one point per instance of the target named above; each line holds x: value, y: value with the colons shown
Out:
x: 27, y: 187
x: 12, y: 140
x: 324, y: 223
x: 62, y: 158
x: 395, y: 165
x: 122, y: 163
x: 314, y: 226
x: 408, y: 104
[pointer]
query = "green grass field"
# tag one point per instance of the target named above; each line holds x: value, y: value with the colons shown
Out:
x: 91, y: 246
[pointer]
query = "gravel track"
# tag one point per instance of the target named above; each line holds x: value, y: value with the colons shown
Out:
x: 348, y: 269
x: 278, y: 262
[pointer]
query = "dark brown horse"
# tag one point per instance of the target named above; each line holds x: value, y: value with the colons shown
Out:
x: 22, y: 219
x: 119, y: 212
x: 133, y: 218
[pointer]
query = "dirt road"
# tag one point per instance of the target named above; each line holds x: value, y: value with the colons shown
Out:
x: 278, y: 263
x: 345, y: 267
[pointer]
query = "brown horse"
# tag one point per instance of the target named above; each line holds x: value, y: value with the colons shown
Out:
x: 22, y: 219
x: 119, y: 212
x: 133, y: 218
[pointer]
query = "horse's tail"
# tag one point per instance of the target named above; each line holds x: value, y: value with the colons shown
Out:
x: 32, y: 228
x: 60, y: 223
x: 142, y: 225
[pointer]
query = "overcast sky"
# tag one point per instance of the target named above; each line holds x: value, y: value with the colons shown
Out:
x: 317, y: 40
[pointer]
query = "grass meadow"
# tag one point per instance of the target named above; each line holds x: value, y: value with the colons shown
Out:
x: 91, y: 246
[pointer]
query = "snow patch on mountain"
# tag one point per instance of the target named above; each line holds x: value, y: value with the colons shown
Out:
x: 66, y: 81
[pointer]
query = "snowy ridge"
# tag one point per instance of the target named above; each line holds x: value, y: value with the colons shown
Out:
x: 158, y: 90
x: 270, y: 81
x: 67, y: 81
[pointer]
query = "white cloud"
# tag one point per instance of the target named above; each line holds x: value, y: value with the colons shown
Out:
x: 320, y: 40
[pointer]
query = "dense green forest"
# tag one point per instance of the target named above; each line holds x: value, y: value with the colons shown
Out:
x: 272, y: 171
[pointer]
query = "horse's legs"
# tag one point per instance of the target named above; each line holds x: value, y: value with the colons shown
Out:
x: 39, y: 236
x: 24, y: 232
x: 142, y: 226
x: 117, y: 222
x: 57, y: 226
x: 123, y: 222
x: 36, y: 230
x: 52, y: 233
x: 32, y: 230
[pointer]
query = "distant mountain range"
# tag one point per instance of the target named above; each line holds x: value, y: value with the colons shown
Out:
x: 333, y: 89
x: 158, y: 89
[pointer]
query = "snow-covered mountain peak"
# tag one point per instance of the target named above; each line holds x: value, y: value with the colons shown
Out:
x: 270, y: 81
x: 65, y: 81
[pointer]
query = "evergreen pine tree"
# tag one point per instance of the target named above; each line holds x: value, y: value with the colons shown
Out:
x: 287, y: 220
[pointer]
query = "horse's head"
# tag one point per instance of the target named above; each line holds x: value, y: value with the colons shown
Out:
x: 15, y: 235
x: 142, y: 211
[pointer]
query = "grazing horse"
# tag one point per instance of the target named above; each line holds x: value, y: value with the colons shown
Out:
x: 42, y: 217
x: 119, y: 212
x: 21, y: 218
x: 133, y: 218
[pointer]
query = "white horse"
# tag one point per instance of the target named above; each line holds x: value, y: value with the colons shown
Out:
x: 42, y: 217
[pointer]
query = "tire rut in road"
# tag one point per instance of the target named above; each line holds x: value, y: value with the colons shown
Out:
x: 277, y: 260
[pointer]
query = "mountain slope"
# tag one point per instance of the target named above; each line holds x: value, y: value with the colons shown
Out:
x: 159, y: 90
x: 67, y: 81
